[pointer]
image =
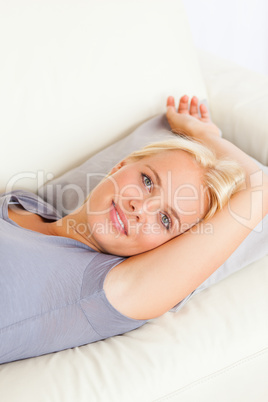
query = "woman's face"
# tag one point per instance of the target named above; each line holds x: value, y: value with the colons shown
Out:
x: 144, y: 204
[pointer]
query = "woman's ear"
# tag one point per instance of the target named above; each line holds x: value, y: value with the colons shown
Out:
x: 118, y: 166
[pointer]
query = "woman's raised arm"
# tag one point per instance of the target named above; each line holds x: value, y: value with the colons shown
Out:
x: 148, y: 285
x: 203, y: 130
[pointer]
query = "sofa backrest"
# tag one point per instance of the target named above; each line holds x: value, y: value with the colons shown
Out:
x: 76, y: 76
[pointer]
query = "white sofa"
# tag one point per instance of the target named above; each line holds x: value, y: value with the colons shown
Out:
x: 76, y: 76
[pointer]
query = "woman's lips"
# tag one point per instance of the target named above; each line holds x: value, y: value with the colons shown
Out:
x: 118, y: 218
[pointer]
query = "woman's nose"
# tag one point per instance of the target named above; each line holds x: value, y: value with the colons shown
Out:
x: 144, y: 210
x: 137, y: 208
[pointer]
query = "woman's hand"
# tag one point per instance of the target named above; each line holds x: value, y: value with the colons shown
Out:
x: 187, y: 120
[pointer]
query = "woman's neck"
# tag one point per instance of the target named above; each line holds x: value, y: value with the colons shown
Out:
x: 65, y: 227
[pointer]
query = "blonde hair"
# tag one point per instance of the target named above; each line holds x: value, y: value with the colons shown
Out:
x: 222, y: 176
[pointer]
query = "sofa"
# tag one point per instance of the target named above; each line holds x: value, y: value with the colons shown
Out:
x: 75, y: 78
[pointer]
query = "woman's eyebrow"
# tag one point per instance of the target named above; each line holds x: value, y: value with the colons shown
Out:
x: 158, y: 180
x: 159, y: 183
x: 173, y: 211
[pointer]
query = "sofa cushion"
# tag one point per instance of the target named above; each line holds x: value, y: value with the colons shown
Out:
x: 238, y: 103
x: 76, y: 76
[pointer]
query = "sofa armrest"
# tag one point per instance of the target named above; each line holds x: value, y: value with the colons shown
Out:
x: 238, y: 100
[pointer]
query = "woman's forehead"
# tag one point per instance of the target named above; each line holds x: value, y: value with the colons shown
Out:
x: 176, y: 156
x: 178, y: 162
x: 180, y: 181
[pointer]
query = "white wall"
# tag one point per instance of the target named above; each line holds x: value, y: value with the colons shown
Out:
x: 234, y: 29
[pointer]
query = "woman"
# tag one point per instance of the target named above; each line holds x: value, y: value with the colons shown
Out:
x: 67, y: 281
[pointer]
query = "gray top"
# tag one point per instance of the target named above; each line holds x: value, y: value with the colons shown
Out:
x: 51, y: 288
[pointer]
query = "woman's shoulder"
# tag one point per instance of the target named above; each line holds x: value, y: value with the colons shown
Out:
x: 30, y: 202
x: 123, y: 291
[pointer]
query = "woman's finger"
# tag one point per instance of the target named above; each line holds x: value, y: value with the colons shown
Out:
x: 171, y: 101
x: 171, y: 111
x: 204, y: 112
x: 183, y: 105
x: 194, y: 107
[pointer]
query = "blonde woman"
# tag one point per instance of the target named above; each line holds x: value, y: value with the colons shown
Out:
x: 134, y: 249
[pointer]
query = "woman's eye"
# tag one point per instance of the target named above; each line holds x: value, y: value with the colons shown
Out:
x: 165, y: 220
x: 147, y: 181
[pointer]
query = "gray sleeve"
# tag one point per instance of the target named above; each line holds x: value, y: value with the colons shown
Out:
x: 103, y: 317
